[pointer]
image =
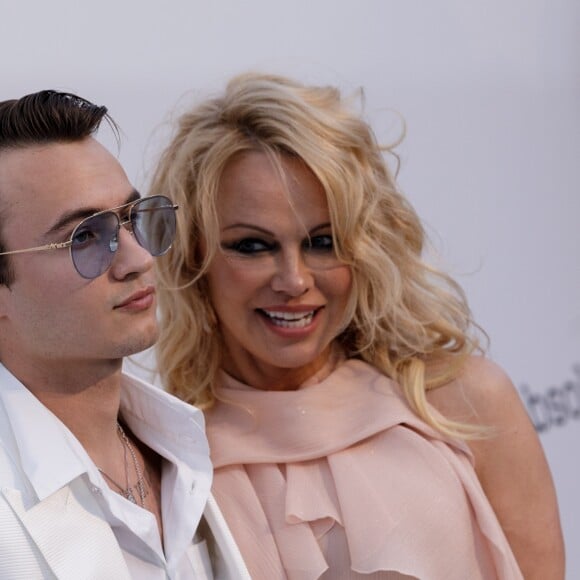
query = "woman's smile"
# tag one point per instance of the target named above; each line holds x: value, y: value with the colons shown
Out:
x: 302, y: 319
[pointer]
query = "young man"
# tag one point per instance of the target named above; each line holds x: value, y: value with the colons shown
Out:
x: 101, y: 475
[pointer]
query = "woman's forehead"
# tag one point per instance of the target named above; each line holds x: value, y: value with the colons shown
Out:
x: 253, y: 182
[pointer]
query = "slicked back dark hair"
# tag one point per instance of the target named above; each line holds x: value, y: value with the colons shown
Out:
x: 42, y: 118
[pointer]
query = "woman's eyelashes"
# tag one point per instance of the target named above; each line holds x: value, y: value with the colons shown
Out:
x: 249, y: 246
x: 255, y: 246
x: 319, y: 243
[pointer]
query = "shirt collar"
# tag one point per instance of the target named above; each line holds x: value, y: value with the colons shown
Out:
x: 176, y: 430
x: 51, y: 456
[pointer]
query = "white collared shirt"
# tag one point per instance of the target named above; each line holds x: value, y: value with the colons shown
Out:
x: 52, y: 458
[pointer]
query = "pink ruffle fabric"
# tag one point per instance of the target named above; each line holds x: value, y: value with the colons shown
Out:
x: 340, y: 479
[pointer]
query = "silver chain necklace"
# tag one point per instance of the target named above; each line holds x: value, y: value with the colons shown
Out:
x: 128, y: 490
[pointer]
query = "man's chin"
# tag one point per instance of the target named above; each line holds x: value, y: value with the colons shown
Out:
x: 142, y: 342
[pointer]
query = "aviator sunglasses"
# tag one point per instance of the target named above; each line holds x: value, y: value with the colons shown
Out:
x: 95, y: 240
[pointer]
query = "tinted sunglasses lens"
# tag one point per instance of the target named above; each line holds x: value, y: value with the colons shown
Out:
x: 153, y: 222
x: 94, y: 243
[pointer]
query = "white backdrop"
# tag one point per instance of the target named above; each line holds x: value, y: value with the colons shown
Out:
x: 490, y: 92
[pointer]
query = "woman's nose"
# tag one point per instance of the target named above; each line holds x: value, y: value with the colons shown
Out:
x: 292, y: 276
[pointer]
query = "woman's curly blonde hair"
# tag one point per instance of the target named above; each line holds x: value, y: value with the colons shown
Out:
x: 408, y: 319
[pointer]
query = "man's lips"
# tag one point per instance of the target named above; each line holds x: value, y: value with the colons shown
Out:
x: 141, y: 298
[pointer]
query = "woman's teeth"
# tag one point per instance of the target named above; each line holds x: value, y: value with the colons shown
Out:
x: 290, y: 319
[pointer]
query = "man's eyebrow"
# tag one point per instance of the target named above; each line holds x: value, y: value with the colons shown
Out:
x: 75, y: 216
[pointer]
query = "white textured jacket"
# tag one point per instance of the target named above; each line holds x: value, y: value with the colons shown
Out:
x: 59, y: 531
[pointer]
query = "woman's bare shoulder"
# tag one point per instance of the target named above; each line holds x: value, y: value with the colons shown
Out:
x: 482, y: 394
x: 510, y: 464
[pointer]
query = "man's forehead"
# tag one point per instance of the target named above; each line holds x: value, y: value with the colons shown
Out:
x: 60, y: 177
x: 60, y: 163
x: 44, y: 157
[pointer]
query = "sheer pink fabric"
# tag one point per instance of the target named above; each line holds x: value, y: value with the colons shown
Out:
x: 339, y: 479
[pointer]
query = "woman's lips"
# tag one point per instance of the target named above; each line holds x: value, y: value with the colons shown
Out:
x: 290, y: 321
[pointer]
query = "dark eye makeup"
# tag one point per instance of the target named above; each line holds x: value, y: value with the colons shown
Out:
x: 251, y: 246
x: 319, y: 243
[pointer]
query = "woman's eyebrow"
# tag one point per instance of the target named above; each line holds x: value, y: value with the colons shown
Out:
x: 247, y: 227
x: 323, y: 226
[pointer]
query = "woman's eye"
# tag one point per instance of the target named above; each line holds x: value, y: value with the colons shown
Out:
x: 248, y: 246
x: 322, y: 243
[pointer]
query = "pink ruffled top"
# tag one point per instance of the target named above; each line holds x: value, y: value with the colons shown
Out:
x: 340, y: 479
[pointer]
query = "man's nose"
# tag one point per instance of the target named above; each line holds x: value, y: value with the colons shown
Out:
x: 131, y: 257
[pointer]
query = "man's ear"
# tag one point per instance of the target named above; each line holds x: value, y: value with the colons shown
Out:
x: 5, y: 299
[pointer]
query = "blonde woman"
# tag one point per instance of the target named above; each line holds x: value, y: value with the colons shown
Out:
x: 353, y: 430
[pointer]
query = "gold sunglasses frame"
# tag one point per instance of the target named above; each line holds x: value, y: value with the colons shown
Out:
x: 114, y: 210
